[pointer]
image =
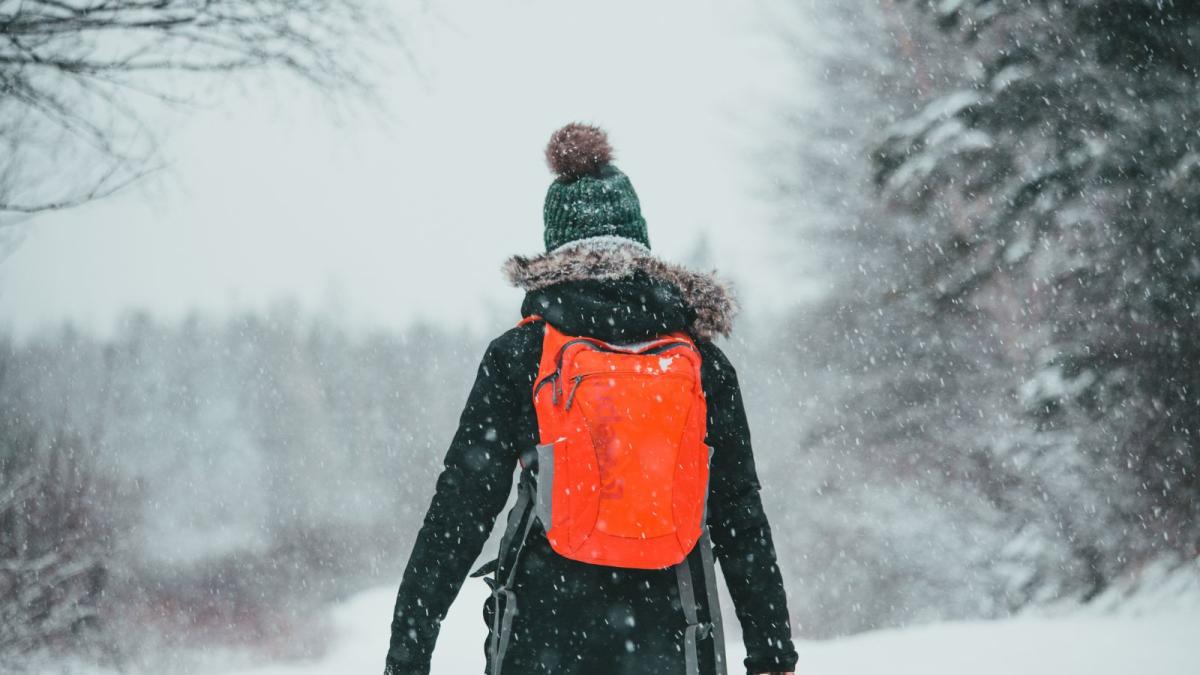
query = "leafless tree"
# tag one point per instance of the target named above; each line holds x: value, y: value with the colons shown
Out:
x: 74, y: 73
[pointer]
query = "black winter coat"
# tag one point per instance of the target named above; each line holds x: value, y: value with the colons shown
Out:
x: 573, y: 617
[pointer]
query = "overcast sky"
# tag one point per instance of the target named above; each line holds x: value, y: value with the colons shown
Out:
x: 387, y: 218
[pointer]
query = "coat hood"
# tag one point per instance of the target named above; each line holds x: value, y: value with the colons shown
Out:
x: 618, y: 291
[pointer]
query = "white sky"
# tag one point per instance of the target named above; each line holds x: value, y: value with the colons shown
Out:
x: 408, y: 215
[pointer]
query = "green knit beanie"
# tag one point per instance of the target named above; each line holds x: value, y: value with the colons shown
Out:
x: 591, y: 198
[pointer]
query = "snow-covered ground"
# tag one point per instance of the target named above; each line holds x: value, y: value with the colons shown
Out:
x: 1145, y: 624
x: 1142, y: 642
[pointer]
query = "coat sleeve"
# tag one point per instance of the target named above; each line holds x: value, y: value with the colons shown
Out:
x: 740, y: 532
x: 471, y: 491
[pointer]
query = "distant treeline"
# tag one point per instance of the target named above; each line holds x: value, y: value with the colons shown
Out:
x: 213, y: 479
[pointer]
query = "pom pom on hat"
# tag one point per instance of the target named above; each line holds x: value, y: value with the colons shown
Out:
x: 591, y: 199
x: 578, y: 150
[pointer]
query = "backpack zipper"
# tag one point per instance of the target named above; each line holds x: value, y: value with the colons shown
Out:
x: 551, y: 379
x: 579, y: 378
x: 555, y: 378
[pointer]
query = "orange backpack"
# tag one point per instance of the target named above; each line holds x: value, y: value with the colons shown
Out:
x: 620, y: 476
x: 622, y: 465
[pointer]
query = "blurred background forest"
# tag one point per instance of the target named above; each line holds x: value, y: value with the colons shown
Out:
x: 980, y: 393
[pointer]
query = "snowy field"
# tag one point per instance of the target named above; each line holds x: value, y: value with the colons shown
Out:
x: 1127, y: 643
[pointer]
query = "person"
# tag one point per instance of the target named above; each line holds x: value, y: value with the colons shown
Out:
x: 549, y: 613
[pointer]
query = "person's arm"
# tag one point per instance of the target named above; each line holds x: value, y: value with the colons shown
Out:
x: 471, y: 491
x: 740, y: 533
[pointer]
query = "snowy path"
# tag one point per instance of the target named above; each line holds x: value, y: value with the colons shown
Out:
x: 1162, y: 644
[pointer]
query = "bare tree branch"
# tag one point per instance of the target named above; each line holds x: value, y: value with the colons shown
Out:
x: 104, y: 188
x: 68, y: 67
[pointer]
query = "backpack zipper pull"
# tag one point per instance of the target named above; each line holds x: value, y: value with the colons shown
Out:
x: 549, y: 380
x: 574, y: 386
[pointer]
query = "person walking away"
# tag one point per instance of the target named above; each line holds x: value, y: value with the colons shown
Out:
x: 637, y: 473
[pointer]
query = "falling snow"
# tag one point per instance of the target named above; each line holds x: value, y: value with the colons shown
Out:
x: 974, y: 399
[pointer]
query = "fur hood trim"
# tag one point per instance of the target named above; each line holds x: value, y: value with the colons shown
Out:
x: 710, y: 299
